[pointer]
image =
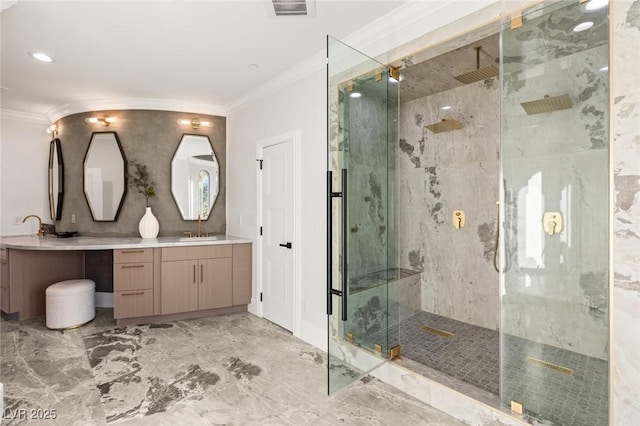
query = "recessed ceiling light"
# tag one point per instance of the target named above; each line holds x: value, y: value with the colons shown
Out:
x: 42, y: 57
x: 583, y: 26
x: 355, y: 94
x: 595, y: 5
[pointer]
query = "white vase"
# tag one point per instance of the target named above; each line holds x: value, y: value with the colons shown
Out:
x: 149, y: 226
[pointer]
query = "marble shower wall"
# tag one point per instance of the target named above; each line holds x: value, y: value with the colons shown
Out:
x: 371, y: 181
x: 440, y: 173
x: 626, y: 213
x: 556, y: 286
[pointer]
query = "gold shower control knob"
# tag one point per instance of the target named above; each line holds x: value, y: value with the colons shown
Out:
x: 552, y: 222
x: 458, y: 219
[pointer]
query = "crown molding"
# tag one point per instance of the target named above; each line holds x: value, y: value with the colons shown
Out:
x: 23, y: 116
x: 61, y: 111
x: 292, y: 75
x: 404, y: 24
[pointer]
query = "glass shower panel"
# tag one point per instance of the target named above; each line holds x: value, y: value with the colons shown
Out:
x: 555, y: 210
x: 362, y: 110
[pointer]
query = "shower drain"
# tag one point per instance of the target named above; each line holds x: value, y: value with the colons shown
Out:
x: 436, y: 331
x: 550, y: 366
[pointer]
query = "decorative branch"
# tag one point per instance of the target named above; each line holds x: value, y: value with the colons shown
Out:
x: 141, y: 181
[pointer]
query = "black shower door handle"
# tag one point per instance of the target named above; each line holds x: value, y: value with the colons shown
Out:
x: 330, y: 290
x: 287, y: 245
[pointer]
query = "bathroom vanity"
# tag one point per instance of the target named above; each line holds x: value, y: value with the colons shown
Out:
x: 164, y: 278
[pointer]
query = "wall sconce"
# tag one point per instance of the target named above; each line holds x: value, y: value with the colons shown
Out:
x: 195, y: 123
x: 105, y: 121
x: 52, y: 129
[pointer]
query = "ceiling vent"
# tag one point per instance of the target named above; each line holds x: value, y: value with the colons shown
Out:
x: 294, y: 7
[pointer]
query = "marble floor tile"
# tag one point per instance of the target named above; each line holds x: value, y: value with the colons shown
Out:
x: 233, y: 370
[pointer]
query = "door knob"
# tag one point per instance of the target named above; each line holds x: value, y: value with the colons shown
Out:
x: 287, y: 245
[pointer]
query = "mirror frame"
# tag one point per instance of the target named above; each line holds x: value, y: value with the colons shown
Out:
x: 125, y: 180
x: 175, y: 202
x: 55, y: 153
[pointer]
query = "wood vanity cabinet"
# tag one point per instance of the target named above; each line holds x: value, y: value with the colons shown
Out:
x: 151, y: 283
x: 26, y: 274
x: 5, y: 296
x: 196, y: 278
x: 132, y: 283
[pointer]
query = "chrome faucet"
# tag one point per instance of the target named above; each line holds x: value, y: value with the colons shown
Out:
x: 40, y: 228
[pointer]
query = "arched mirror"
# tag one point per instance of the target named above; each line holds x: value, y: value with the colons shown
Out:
x: 56, y: 179
x: 194, y: 177
x: 105, y: 182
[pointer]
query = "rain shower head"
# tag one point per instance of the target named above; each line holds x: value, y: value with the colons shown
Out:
x: 479, y: 73
x: 445, y: 126
x: 547, y: 104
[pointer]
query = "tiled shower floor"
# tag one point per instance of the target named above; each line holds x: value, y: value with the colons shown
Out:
x: 471, y: 354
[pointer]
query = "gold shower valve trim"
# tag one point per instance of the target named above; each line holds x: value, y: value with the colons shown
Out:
x: 459, y: 219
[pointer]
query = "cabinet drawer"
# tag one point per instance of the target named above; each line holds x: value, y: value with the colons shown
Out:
x: 132, y: 276
x: 135, y: 303
x: 198, y: 252
x: 133, y: 255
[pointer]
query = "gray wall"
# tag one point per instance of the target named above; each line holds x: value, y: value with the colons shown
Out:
x: 150, y: 137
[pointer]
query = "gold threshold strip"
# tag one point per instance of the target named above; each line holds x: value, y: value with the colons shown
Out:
x: 549, y: 365
x: 436, y: 331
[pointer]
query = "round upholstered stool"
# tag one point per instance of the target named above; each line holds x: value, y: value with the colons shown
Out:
x: 70, y: 304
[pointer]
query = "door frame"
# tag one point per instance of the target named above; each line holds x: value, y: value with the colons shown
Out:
x: 293, y: 137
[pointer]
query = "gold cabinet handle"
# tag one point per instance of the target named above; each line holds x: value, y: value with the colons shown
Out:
x: 194, y: 272
x: 201, y: 272
x: 132, y: 251
x: 137, y: 293
x: 131, y: 266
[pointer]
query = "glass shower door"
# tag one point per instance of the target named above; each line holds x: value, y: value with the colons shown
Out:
x: 361, y: 296
x: 555, y: 208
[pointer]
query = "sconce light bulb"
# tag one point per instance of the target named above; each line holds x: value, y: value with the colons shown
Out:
x: 92, y: 120
x: 52, y: 129
x: 110, y: 119
x: 206, y: 123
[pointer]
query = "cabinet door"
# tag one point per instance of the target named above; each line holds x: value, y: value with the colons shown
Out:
x: 241, y: 274
x: 5, y: 299
x: 179, y: 286
x: 216, y: 283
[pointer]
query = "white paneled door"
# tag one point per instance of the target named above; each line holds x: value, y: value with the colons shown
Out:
x: 277, y: 233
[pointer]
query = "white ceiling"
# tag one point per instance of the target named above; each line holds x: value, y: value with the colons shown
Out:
x: 195, y: 52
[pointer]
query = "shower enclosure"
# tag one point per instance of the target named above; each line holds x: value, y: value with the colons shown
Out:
x: 362, y: 109
x: 428, y: 172
x: 555, y: 201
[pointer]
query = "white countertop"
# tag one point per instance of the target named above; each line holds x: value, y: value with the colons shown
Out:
x: 50, y: 242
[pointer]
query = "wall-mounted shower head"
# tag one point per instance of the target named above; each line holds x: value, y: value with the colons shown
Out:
x: 547, y: 104
x: 479, y: 73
